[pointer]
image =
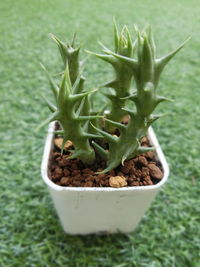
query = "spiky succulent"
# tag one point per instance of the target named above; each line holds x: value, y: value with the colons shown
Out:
x: 132, y: 60
x: 66, y: 112
x: 70, y: 55
x: 146, y: 70
x: 71, y: 107
x: 123, y: 74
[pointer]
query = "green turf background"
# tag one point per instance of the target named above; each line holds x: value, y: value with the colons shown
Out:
x: 30, y: 234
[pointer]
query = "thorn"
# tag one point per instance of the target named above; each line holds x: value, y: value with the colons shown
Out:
x: 102, y: 152
x: 89, y: 135
x: 110, y: 138
x: 117, y: 124
x: 123, y: 159
x: 52, y: 117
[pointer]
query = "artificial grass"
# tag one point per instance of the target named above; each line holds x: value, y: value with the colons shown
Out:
x: 30, y: 234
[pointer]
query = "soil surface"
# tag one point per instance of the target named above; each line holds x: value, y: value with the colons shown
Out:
x: 141, y: 171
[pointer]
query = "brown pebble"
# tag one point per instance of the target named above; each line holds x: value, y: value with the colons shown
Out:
x: 124, y: 170
x: 148, y: 178
x: 89, y: 178
x: 107, y: 182
x: 62, y: 162
x: 58, y: 158
x: 155, y: 172
x: 101, y: 175
x: 74, y: 166
x: 130, y: 179
x: 126, y: 119
x: 88, y: 184
x: 66, y: 172
x: 102, y: 182
x: 138, y: 173
x: 78, y: 177
x: 117, y: 181
x: 87, y: 171
x: 53, y: 166
x: 65, y: 181
x: 58, y: 173
x: 58, y: 143
x: 127, y: 166
x: 75, y: 172
x: 76, y: 183
x: 150, y: 154
x: 145, y: 171
x: 132, y: 171
x: 144, y: 140
x: 142, y: 160
x: 97, y: 179
x: 135, y: 183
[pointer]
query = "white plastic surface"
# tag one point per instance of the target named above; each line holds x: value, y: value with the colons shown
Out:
x: 85, y: 210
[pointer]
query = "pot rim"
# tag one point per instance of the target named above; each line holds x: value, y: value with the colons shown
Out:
x: 45, y: 160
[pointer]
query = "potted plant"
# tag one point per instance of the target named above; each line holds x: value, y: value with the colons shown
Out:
x: 104, y: 167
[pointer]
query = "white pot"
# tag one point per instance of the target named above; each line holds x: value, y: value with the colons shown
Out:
x: 86, y: 210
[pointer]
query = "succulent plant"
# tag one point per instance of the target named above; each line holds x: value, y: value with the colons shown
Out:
x: 146, y: 70
x: 70, y: 55
x: 132, y: 60
x: 123, y: 74
x: 71, y: 105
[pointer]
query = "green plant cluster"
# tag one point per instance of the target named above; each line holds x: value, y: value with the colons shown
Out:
x: 137, y: 72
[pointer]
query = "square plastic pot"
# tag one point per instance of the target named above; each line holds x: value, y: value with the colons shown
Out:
x: 83, y: 210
